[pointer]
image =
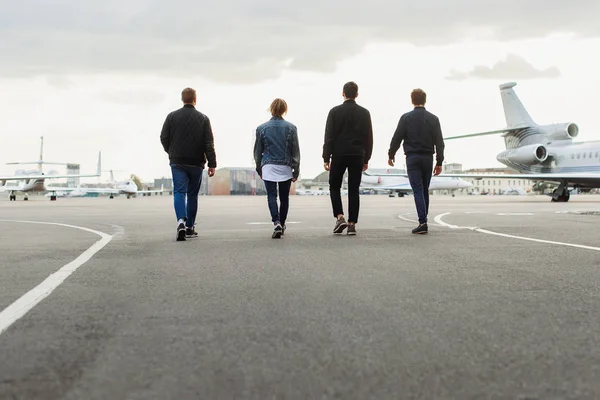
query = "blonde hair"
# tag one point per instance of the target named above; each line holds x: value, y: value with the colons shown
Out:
x: 188, y: 95
x: 278, y: 107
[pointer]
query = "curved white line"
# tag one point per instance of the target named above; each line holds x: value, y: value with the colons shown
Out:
x: 21, y: 306
x: 439, y: 220
x: 403, y: 218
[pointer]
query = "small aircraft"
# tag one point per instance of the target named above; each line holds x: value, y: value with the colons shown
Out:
x: 545, y: 153
x: 128, y: 188
x: 399, y: 183
x: 36, y: 181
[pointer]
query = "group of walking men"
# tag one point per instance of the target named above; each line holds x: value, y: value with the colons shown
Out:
x: 188, y: 139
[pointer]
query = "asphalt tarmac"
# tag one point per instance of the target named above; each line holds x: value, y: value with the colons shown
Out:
x: 500, y: 300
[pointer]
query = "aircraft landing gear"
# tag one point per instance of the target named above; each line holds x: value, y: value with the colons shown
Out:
x: 561, y: 194
x: 111, y: 197
x: 12, y: 197
x: 25, y: 198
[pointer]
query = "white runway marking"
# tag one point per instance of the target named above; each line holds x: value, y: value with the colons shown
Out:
x: 21, y: 306
x: 519, y: 214
x: 270, y: 223
x: 403, y: 218
x: 439, y: 220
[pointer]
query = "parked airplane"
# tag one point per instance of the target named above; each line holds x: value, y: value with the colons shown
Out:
x: 400, y: 184
x: 543, y: 152
x: 128, y: 188
x: 68, y: 192
x: 36, y: 181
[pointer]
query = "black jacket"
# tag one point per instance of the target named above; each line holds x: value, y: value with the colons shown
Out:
x: 187, y: 137
x: 348, y: 132
x: 420, y: 130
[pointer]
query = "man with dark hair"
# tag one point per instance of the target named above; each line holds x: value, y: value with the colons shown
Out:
x: 421, y: 132
x: 348, y: 146
x: 188, y: 139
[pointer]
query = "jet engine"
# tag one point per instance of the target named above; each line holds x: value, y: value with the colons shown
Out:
x: 565, y: 131
x: 528, y: 155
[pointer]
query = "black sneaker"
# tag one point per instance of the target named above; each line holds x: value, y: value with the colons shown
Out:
x: 340, y: 225
x: 351, y: 230
x: 190, y: 233
x: 181, y: 232
x: 421, y: 229
x: 277, y: 232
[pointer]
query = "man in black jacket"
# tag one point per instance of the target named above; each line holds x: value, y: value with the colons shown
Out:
x: 187, y: 137
x: 348, y: 145
x: 421, y: 132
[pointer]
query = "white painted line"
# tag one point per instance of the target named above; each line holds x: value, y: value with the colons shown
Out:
x: 519, y: 214
x: 270, y: 223
x: 403, y: 218
x: 579, y: 246
x: 25, y: 303
x: 439, y: 220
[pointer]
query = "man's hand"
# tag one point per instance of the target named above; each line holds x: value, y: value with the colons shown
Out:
x: 326, y: 165
x: 437, y: 170
x: 391, y: 163
x: 211, y: 172
x: 365, y: 167
x: 294, y: 179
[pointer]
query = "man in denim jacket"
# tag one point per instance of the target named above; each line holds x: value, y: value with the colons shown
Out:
x: 277, y: 158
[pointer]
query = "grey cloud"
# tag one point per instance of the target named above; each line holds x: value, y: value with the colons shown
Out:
x: 248, y: 41
x: 59, y: 81
x: 512, y: 68
x: 135, y: 96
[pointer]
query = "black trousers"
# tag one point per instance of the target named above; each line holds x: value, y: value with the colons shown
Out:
x: 420, y: 169
x: 337, y: 168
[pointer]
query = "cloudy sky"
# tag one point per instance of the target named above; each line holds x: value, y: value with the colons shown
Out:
x: 94, y: 75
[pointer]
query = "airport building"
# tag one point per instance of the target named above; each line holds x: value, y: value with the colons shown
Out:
x: 493, y: 186
x: 73, y: 169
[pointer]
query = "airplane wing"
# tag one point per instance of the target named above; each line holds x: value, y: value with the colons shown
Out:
x: 550, y: 176
x: 100, y: 190
x: 545, y: 177
x: 26, y: 177
x: 150, y: 191
x: 83, y: 189
x: 575, y: 178
x: 41, y: 176
x: 501, y: 131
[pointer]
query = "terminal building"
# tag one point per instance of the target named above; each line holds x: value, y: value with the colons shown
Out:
x: 492, y: 186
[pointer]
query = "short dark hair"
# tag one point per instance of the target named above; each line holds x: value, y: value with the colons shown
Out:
x: 278, y: 107
x: 351, y: 90
x: 418, y: 97
x: 188, y: 95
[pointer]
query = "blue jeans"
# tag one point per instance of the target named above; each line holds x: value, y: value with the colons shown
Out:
x: 419, y: 168
x: 278, y: 214
x: 186, y: 185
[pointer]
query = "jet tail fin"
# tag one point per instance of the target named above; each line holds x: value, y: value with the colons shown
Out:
x: 514, y: 112
x: 99, y: 170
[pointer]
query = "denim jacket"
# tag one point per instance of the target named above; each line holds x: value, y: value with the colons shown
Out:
x: 277, y: 143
